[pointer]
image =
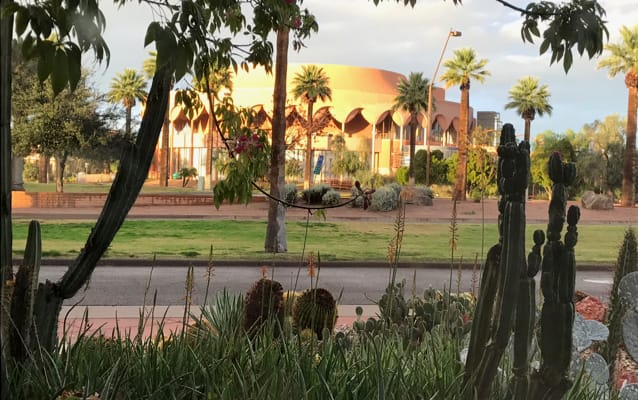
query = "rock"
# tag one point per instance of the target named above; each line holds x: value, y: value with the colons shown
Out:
x: 594, y: 201
x: 591, y: 308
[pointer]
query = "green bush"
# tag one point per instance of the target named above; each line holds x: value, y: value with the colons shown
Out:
x: 384, y: 199
x: 438, y: 167
x: 331, y: 198
x: 30, y: 172
x: 425, y: 190
x: 396, y: 187
x: 290, y: 193
x: 293, y: 168
x: 369, y: 179
x: 314, y: 195
x: 403, y: 175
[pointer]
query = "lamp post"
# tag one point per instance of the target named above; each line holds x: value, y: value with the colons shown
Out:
x: 428, y: 136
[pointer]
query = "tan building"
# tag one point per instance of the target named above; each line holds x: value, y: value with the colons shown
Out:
x: 360, y: 110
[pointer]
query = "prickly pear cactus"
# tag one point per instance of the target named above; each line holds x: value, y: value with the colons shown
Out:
x: 315, y: 309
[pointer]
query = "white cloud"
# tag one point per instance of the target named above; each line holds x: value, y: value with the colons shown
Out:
x: 403, y: 39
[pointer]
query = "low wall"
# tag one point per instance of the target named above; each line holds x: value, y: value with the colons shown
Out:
x: 79, y: 200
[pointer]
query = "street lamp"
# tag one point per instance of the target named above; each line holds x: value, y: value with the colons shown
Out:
x: 428, y: 131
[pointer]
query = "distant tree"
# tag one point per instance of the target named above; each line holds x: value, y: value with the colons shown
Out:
x: 54, y: 126
x: 127, y: 87
x: 345, y: 162
x: 311, y: 84
x: 461, y: 70
x: 544, y: 145
x: 623, y: 58
x: 529, y: 99
x: 438, y: 167
x: 413, y: 98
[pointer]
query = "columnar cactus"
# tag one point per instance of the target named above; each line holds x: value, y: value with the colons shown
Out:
x: 557, y: 284
x: 24, y: 293
x: 505, y: 271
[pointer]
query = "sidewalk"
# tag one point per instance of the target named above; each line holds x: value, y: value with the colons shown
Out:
x: 439, y: 212
x: 109, y: 319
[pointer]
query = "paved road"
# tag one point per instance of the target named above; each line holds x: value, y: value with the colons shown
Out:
x: 126, y: 285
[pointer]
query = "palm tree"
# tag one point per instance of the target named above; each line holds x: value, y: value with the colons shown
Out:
x: 623, y: 57
x: 127, y: 87
x: 412, y: 97
x: 311, y: 83
x: 218, y: 79
x: 461, y: 70
x: 529, y: 98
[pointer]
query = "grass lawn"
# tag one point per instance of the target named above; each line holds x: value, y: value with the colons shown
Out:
x: 244, y: 240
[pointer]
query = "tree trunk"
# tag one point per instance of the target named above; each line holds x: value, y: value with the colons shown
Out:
x: 528, y: 129
x: 164, y: 151
x: 43, y: 171
x: 461, y: 167
x: 134, y: 166
x: 59, y: 173
x: 6, y: 234
x: 17, y: 170
x: 210, y: 137
x: 413, y: 127
x: 628, y: 178
x: 276, y: 229
x: 128, y: 121
x: 307, y: 178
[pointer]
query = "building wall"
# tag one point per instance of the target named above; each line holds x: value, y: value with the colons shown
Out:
x: 361, y: 107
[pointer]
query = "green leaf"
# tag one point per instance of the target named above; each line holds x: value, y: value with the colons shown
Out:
x: 152, y: 33
x: 75, y: 66
x: 568, y: 60
x: 21, y: 20
x: 60, y: 72
x: 44, y: 51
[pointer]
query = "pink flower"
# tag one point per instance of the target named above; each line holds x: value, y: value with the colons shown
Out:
x: 297, y: 23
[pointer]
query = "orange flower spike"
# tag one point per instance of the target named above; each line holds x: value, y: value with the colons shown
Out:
x: 264, y: 271
x: 312, y: 269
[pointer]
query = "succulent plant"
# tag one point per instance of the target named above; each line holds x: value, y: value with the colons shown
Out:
x: 392, y: 306
x: 315, y: 309
x: 264, y: 302
x: 628, y: 289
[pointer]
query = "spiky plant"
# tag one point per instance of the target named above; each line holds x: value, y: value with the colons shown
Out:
x: 315, y: 309
x: 626, y: 263
x: 264, y: 302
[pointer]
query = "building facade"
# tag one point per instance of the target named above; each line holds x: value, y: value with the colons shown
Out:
x: 360, y: 111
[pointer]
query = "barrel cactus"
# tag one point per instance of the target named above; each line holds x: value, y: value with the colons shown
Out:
x: 628, y: 289
x: 315, y: 309
x: 264, y: 302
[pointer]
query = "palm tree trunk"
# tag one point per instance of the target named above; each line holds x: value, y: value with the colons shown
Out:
x: 276, y: 229
x: 164, y: 152
x: 307, y: 171
x: 128, y: 121
x: 413, y: 127
x: 528, y: 128
x: 461, y: 167
x: 628, y: 178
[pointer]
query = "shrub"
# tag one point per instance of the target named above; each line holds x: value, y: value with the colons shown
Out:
x: 425, y: 190
x: 314, y: 195
x: 186, y: 174
x: 403, y: 175
x: 331, y: 198
x: 293, y: 168
x: 396, y: 187
x: 384, y: 199
x: 369, y: 179
x: 30, y: 172
x: 438, y: 167
x: 290, y: 193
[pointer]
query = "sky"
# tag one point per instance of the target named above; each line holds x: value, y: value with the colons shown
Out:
x: 401, y: 39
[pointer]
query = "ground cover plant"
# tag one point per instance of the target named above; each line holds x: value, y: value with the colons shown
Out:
x: 345, y: 241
